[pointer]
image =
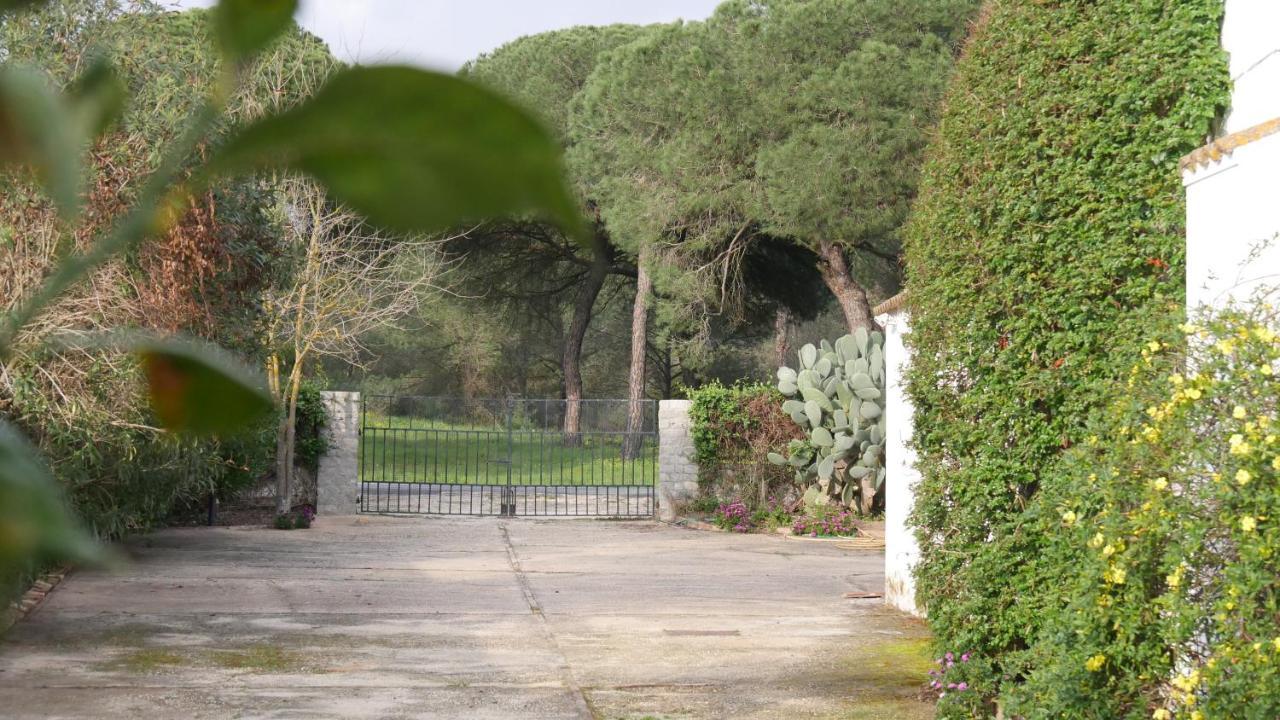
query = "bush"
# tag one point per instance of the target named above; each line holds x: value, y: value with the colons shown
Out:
x: 299, y: 519
x: 734, y: 430
x: 733, y: 516
x: 1173, y: 604
x: 1046, y: 245
x: 738, y: 517
x: 309, y: 443
x: 825, y: 522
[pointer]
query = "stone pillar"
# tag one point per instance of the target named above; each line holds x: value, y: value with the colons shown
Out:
x: 900, y: 550
x: 677, y: 468
x: 338, y: 481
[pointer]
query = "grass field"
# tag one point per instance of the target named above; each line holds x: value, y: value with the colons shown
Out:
x: 394, y: 449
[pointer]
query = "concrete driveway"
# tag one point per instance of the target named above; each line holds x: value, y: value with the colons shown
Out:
x: 381, y: 617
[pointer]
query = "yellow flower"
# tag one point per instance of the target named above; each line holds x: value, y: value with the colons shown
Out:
x: 1196, y: 715
x: 1276, y: 642
x: 1193, y: 393
x: 1226, y: 347
x: 1239, y: 412
x: 1189, y: 329
x: 1095, y: 663
x: 1069, y: 517
x: 1161, y: 714
x: 1096, y: 541
x: 1115, y: 575
x: 1243, y: 477
x: 1176, y: 379
x: 1266, y: 369
x: 1248, y: 523
x: 1264, y: 334
x: 1154, y: 346
x: 1275, y: 462
x: 1109, y: 550
x: 1160, y: 484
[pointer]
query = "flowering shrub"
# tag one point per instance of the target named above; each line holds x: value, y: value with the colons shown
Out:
x: 950, y: 679
x: 733, y: 516
x: 825, y: 522
x: 298, y: 519
x: 1175, y: 536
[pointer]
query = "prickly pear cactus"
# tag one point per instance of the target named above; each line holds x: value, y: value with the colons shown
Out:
x: 837, y: 396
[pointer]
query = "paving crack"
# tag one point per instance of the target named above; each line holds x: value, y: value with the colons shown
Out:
x: 579, y: 699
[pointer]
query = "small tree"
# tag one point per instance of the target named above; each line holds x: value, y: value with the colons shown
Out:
x: 349, y: 282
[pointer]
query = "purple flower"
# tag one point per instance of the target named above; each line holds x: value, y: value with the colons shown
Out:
x: 964, y: 657
x: 962, y: 686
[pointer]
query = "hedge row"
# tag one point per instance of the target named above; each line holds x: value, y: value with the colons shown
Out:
x: 1045, y: 249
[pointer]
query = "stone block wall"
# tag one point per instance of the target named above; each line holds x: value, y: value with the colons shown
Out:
x: 677, y: 468
x: 338, y: 481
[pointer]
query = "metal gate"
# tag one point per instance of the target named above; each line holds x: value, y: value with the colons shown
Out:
x: 452, y: 456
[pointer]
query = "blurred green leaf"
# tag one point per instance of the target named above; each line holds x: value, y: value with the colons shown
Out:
x: 7, y: 5
x: 97, y: 98
x: 246, y: 26
x: 36, y: 129
x: 197, y: 388
x: 35, y: 523
x: 413, y: 151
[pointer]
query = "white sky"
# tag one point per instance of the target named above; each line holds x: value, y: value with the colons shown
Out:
x: 444, y: 34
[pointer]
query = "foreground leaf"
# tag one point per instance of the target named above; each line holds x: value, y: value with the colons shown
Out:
x: 36, y: 130
x: 97, y: 98
x: 413, y: 151
x: 35, y: 523
x: 197, y: 388
x: 244, y: 27
x: 7, y: 5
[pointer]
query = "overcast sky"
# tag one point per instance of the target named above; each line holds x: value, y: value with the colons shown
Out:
x: 443, y: 34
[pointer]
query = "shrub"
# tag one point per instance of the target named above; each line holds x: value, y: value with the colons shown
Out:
x: 735, y: 428
x: 825, y: 522
x: 309, y: 442
x: 733, y: 516
x: 1046, y: 245
x: 1173, y: 604
x: 299, y: 519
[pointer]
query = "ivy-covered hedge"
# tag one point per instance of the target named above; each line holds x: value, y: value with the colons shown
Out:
x: 738, y: 426
x: 1045, y: 248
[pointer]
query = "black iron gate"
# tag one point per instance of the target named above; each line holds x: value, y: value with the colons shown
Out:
x: 511, y: 457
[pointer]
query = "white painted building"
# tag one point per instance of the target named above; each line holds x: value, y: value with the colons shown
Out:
x: 1233, y: 184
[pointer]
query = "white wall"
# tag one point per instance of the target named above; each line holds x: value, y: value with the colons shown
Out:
x: 900, y: 549
x: 1233, y: 185
x: 1251, y: 34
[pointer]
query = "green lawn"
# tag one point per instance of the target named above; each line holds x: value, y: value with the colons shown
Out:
x: 396, y: 449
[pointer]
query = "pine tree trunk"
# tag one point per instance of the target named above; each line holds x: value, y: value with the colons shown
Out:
x: 851, y: 296
x: 285, y: 441
x: 283, y: 466
x: 781, y: 341
x: 636, y: 380
x: 571, y: 363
